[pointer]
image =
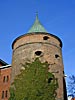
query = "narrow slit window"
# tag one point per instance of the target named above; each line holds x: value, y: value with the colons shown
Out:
x: 6, y: 94
x: 2, y: 94
x: 7, y: 78
x: 4, y: 79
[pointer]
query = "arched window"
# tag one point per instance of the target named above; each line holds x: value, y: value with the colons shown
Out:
x: 2, y: 94
x: 6, y: 94
x: 4, y: 79
x: 7, y: 79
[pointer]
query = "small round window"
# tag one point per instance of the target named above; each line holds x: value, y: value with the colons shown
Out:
x: 38, y: 53
x: 56, y: 56
x: 45, y: 38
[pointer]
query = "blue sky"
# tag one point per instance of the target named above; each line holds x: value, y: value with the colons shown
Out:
x: 57, y: 16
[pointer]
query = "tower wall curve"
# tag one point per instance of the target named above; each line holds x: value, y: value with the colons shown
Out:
x: 43, y: 45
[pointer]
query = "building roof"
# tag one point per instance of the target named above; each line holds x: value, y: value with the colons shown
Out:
x: 4, y: 67
x: 37, y: 26
x: 3, y: 62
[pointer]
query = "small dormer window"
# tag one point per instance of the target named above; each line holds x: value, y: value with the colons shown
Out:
x: 45, y: 38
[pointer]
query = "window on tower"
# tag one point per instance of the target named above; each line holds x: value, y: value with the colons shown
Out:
x: 56, y: 56
x: 38, y: 53
x: 45, y: 38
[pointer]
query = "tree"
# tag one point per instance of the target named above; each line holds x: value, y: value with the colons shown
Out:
x: 12, y: 95
x: 35, y: 82
x: 71, y: 85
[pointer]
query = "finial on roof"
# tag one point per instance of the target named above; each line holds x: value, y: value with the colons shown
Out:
x: 37, y: 26
x: 36, y: 15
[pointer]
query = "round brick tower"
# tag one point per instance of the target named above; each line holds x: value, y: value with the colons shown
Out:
x: 39, y: 43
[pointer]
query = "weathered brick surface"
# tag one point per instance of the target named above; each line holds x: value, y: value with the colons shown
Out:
x: 24, y: 49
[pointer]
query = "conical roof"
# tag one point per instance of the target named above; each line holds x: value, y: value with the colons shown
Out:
x: 37, y: 26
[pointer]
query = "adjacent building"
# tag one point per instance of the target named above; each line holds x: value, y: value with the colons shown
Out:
x: 5, y: 73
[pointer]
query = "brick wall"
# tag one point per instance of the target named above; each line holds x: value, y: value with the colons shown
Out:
x: 5, y: 83
x: 24, y: 49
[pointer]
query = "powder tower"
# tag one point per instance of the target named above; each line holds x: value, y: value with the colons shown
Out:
x: 37, y: 42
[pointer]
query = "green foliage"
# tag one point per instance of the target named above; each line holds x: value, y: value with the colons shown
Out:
x: 35, y: 82
x: 12, y: 94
